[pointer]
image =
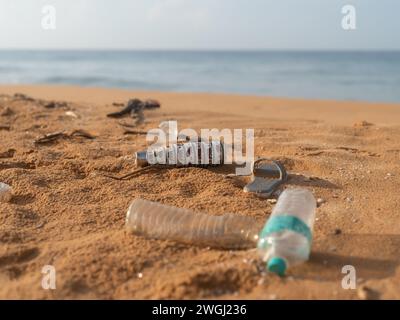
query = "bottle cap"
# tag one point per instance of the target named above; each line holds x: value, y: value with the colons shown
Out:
x: 277, y: 265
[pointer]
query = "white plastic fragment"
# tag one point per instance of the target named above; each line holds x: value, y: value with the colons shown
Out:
x: 5, y: 192
x: 71, y: 114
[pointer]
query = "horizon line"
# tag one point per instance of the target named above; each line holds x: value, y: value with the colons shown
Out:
x: 210, y: 49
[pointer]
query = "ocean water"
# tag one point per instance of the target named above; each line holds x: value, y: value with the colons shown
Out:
x: 363, y: 76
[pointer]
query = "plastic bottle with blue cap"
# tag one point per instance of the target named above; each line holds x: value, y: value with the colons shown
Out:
x: 286, y: 238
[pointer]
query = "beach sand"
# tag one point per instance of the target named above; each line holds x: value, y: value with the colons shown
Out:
x: 65, y: 213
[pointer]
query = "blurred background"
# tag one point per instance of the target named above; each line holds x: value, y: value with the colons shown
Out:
x: 289, y: 48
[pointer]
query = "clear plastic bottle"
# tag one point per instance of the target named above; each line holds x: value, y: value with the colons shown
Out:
x: 159, y: 221
x: 286, y: 238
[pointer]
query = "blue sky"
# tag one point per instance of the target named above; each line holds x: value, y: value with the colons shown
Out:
x: 200, y: 24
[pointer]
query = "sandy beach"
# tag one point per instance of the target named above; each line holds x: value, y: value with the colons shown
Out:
x: 65, y: 212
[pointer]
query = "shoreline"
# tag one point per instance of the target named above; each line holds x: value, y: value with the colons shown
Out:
x: 65, y: 87
x: 283, y: 107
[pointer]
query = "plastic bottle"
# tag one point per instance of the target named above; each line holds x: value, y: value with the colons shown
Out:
x: 183, y: 154
x: 159, y: 221
x: 286, y: 238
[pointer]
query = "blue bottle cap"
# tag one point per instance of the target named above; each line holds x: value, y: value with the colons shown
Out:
x: 277, y: 265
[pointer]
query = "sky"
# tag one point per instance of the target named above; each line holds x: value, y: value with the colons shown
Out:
x: 200, y: 24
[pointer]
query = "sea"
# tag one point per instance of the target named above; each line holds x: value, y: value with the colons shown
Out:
x: 340, y: 75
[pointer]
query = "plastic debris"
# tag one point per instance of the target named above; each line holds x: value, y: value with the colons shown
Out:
x: 71, y: 114
x: 267, y: 176
x: 5, y: 192
x: 135, y: 106
x: 159, y: 221
x: 286, y: 238
x: 183, y: 154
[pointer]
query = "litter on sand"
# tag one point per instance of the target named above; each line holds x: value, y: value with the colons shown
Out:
x: 286, y: 238
x: 134, y: 107
x: 159, y: 221
x: 267, y: 175
x: 284, y: 241
x: 5, y: 192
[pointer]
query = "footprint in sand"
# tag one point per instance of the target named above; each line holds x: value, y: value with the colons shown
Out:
x: 7, y: 154
x: 19, y: 256
x: 14, y: 264
x: 17, y: 165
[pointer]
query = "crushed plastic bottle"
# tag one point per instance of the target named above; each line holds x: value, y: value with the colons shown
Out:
x: 183, y: 154
x: 159, y: 221
x: 286, y: 238
x: 5, y: 192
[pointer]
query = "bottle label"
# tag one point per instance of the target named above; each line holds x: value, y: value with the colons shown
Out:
x: 280, y: 223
